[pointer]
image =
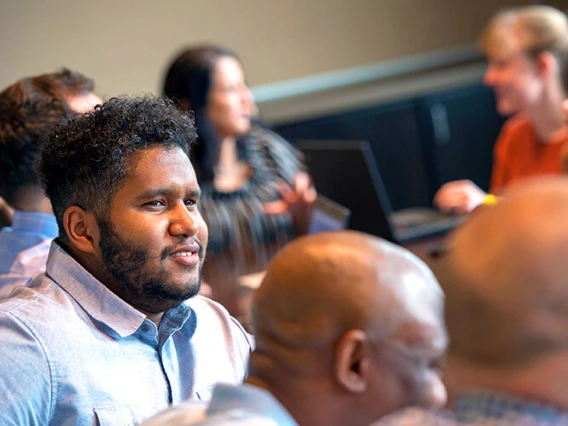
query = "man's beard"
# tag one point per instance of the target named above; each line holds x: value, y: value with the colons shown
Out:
x: 127, y: 266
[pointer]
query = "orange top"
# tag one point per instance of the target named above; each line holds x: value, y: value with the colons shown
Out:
x: 519, y: 154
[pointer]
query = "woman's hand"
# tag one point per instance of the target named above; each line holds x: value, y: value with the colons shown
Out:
x: 297, y: 199
x: 459, y: 197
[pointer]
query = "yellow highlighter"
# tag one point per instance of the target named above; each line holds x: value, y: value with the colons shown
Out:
x: 489, y: 200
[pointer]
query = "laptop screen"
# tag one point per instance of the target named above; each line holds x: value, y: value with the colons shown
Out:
x: 346, y: 172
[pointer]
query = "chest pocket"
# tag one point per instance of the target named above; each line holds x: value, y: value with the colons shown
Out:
x: 122, y: 416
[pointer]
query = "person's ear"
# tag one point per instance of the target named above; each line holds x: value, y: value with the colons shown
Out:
x: 81, y: 228
x: 546, y: 64
x: 353, y: 361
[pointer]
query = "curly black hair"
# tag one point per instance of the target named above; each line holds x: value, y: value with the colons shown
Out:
x: 28, y: 110
x: 84, y: 162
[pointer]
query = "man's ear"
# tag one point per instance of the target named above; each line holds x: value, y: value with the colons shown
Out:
x: 353, y: 361
x: 82, y: 229
x: 546, y: 64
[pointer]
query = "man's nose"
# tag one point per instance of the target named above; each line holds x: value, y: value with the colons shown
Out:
x: 182, y: 221
x: 247, y: 96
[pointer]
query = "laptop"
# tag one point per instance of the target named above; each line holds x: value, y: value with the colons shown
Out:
x: 346, y: 172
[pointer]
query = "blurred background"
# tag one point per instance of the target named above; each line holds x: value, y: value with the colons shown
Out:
x: 403, y: 74
x: 125, y: 45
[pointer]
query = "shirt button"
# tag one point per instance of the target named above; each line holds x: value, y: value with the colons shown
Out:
x: 145, y: 328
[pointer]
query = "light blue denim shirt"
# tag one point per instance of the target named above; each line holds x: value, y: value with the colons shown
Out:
x: 229, y: 406
x: 27, y: 265
x: 74, y: 353
x: 27, y: 230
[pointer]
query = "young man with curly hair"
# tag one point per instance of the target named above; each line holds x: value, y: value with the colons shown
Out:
x: 114, y: 330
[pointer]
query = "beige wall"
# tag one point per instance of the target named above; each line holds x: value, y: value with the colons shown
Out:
x: 125, y: 44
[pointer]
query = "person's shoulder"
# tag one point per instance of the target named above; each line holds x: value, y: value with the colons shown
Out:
x: 266, y: 135
x: 198, y: 413
x: 272, y: 142
x: 518, y: 123
x: 212, y: 315
x: 30, y: 318
x: 274, y: 152
x: 31, y: 262
x: 417, y: 417
x: 202, y: 305
x: 194, y: 413
x: 516, y: 134
x: 220, y: 345
x: 37, y: 301
x: 184, y: 414
x: 28, y: 264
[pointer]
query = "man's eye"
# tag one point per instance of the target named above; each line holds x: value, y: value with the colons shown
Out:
x: 190, y: 203
x: 155, y: 203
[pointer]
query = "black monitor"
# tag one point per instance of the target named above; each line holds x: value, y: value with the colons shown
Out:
x: 346, y: 172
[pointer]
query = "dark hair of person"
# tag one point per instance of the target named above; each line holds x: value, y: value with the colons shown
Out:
x: 85, y: 161
x: 188, y: 82
x: 28, y: 109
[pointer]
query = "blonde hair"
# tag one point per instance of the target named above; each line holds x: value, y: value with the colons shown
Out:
x: 536, y: 29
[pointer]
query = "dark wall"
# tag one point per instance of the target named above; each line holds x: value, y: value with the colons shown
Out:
x: 418, y: 143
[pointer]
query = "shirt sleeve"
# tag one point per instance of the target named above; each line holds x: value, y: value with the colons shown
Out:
x: 25, y: 376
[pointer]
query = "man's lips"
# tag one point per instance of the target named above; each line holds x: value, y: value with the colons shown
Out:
x: 186, y: 255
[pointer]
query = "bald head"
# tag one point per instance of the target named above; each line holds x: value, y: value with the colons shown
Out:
x: 356, y: 313
x: 320, y: 286
x: 507, y: 286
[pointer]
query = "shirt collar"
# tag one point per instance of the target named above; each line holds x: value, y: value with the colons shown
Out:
x: 472, y: 404
x: 250, y: 399
x: 35, y: 222
x: 106, y: 308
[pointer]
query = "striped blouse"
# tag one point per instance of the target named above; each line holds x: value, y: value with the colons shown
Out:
x: 236, y: 220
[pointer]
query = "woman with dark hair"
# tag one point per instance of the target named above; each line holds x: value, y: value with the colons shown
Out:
x: 255, y: 189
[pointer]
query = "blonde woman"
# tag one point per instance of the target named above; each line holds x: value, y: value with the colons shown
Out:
x: 527, y: 50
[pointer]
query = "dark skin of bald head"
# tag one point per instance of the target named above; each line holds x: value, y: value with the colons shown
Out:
x: 507, y: 295
x: 327, y: 306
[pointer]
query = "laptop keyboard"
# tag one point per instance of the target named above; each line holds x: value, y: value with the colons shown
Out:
x: 411, y: 224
